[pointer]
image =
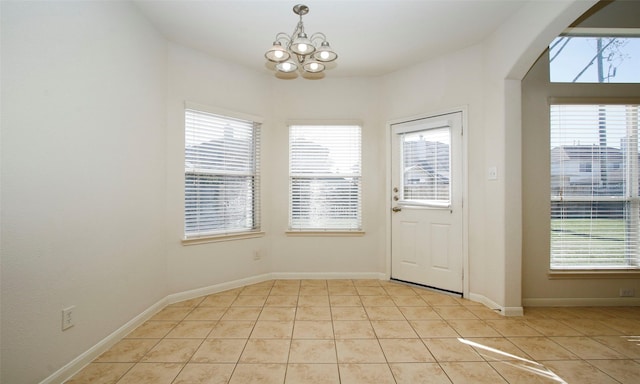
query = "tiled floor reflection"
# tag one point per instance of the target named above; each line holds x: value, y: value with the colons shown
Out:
x: 368, y: 332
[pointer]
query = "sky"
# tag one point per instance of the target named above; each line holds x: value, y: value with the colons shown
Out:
x: 571, y: 60
x: 581, y: 50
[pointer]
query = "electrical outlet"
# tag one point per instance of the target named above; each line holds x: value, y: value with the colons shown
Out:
x: 627, y: 292
x: 256, y: 255
x: 68, y: 318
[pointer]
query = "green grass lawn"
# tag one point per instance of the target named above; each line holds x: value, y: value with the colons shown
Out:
x: 589, y: 242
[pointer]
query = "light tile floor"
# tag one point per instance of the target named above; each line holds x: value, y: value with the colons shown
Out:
x: 368, y: 332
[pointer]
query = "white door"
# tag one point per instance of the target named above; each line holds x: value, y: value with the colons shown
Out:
x: 426, y: 222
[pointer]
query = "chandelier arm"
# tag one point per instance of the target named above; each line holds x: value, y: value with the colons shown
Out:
x: 283, y: 37
x: 318, y: 35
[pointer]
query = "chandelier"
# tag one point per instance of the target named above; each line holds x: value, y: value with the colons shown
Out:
x: 290, y: 52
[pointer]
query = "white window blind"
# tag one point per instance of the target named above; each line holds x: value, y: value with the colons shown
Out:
x: 222, y: 175
x: 426, y: 166
x: 325, y: 178
x: 595, y: 203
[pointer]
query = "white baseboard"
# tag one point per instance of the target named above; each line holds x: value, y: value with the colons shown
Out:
x: 328, y: 275
x: 75, y: 365
x: 504, y: 311
x: 513, y: 311
x: 216, y: 288
x: 176, y: 297
x: 582, y: 302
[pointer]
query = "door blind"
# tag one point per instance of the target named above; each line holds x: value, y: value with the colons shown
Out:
x: 325, y: 178
x: 595, y: 203
x: 222, y: 182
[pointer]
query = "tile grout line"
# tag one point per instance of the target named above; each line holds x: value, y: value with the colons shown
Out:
x: 286, y: 367
x: 139, y: 361
x: 203, y: 340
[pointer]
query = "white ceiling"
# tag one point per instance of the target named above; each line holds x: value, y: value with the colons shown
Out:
x: 371, y: 37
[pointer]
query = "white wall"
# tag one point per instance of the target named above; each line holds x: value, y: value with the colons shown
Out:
x: 508, y: 54
x: 446, y: 83
x: 486, y: 79
x: 199, y: 78
x: 83, y: 178
x: 538, y: 288
x: 91, y: 94
x: 321, y: 101
x: 196, y: 77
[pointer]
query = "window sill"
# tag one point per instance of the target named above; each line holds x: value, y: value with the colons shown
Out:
x: 325, y: 233
x: 594, y: 274
x: 220, y: 238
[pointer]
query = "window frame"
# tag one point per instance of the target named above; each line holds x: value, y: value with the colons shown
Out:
x: 226, y: 234
x: 293, y: 230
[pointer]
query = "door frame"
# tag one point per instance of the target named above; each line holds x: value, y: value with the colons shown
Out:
x: 464, y: 187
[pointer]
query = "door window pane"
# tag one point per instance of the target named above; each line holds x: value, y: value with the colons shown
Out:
x: 426, y: 168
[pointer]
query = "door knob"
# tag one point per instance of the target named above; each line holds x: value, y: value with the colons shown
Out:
x: 396, y: 209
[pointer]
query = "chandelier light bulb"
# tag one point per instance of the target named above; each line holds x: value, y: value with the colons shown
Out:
x: 277, y: 53
x: 313, y: 67
x: 287, y: 66
x: 302, y: 45
x: 324, y: 53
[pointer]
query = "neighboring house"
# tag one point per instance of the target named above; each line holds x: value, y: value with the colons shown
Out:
x: 578, y: 170
x: 219, y: 188
x: 317, y: 195
x: 426, y: 173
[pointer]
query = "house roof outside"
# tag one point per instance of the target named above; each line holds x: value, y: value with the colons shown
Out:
x: 585, y: 152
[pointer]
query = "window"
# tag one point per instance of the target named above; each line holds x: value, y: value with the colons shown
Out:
x: 426, y: 160
x: 222, y: 178
x: 593, y: 56
x: 324, y: 178
x: 595, y: 187
x: 586, y: 166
